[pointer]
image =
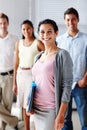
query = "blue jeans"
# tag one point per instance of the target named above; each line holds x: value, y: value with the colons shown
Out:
x: 80, y: 97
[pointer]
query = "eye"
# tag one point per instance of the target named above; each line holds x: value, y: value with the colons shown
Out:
x: 68, y: 20
x: 23, y: 29
x: 49, y: 32
x: 41, y: 32
x: 29, y: 28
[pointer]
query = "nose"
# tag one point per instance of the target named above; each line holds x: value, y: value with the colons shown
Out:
x: 46, y: 34
x: 71, y: 21
x: 2, y: 25
x: 26, y: 31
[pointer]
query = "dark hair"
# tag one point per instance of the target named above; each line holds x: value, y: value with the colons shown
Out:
x: 2, y: 15
x: 48, y: 21
x: 71, y: 11
x: 29, y: 23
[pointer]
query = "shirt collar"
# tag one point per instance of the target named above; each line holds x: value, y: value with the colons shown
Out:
x: 5, y: 37
x: 77, y: 35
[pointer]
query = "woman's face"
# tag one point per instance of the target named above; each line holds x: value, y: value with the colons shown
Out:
x: 27, y: 30
x: 47, y: 33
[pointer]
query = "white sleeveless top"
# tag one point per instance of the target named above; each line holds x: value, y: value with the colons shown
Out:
x: 27, y: 54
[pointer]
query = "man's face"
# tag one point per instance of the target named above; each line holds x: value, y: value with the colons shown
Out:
x: 71, y: 22
x: 3, y: 25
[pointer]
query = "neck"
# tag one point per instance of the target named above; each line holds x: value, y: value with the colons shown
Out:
x: 28, y: 41
x: 3, y: 34
x: 73, y: 33
x: 51, y: 49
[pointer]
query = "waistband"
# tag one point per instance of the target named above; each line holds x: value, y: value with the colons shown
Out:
x: 7, y: 73
x: 24, y: 68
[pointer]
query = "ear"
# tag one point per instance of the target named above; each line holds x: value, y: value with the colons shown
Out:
x: 57, y: 33
x: 8, y: 23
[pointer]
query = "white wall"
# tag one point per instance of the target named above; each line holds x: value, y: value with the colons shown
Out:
x: 36, y: 10
x: 54, y: 9
x: 17, y: 11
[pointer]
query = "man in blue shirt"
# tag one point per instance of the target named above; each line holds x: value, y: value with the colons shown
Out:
x: 75, y: 42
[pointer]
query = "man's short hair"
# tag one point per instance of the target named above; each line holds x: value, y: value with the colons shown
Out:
x: 71, y: 11
x: 2, y: 15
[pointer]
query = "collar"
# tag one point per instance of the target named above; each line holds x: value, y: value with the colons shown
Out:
x: 77, y: 35
x: 5, y: 37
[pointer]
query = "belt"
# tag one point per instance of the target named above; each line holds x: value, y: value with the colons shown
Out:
x: 25, y: 68
x: 7, y: 73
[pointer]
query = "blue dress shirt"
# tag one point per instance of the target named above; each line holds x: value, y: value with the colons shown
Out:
x: 77, y: 47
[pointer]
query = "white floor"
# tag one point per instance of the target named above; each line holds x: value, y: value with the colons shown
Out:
x: 75, y: 122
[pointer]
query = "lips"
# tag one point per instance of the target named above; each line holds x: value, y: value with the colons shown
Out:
x: 46, y: 39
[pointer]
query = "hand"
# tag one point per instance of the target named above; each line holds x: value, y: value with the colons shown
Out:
x: 81, y: 83
x: 59, y: 122
x: 15, y: 89
x: 30, y: 113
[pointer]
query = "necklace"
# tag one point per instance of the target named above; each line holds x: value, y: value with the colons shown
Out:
x: 47, y: 56
x: 27, y: 43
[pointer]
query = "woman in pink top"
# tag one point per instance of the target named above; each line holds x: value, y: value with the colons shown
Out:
x: 47, y: 79
x: 26, y: 49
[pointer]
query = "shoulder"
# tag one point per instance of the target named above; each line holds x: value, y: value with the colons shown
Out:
x: 40, y: 46
x: 63, y: 61
x: 38, y: 41
x: 61, y: 36
x: 38, y: 56
x: 35, y: 42
x: 62, y: 52
x: 19, y: 42
x: 82, y: 35
x: 82, y: 38
x: 63, y: 56
x: 61, y: 39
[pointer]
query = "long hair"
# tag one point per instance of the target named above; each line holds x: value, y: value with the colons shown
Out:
x: 29, y: 23
x: 49, y: 21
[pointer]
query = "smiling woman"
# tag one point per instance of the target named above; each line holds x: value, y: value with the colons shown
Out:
x: 26, y: 50
x: 53, y: 89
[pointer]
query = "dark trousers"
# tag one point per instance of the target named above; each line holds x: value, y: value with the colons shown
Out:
x: 80, y: 97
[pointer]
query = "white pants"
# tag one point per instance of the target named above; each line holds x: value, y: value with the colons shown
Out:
x: 24, y: 80
x: 6, y: 83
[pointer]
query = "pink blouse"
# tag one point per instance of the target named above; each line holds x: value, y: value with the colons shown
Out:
x: 44, y: 78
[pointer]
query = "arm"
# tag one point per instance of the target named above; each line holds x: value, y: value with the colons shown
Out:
x: 66, y: 77
x: 40, y: 46
x: 15, y: 69
x: 59, y: 121
x: 83, y: 82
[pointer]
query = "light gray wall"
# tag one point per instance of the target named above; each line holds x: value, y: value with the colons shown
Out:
x: 54, y: 9
x: 36, y: 10
x: 17, y: 11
